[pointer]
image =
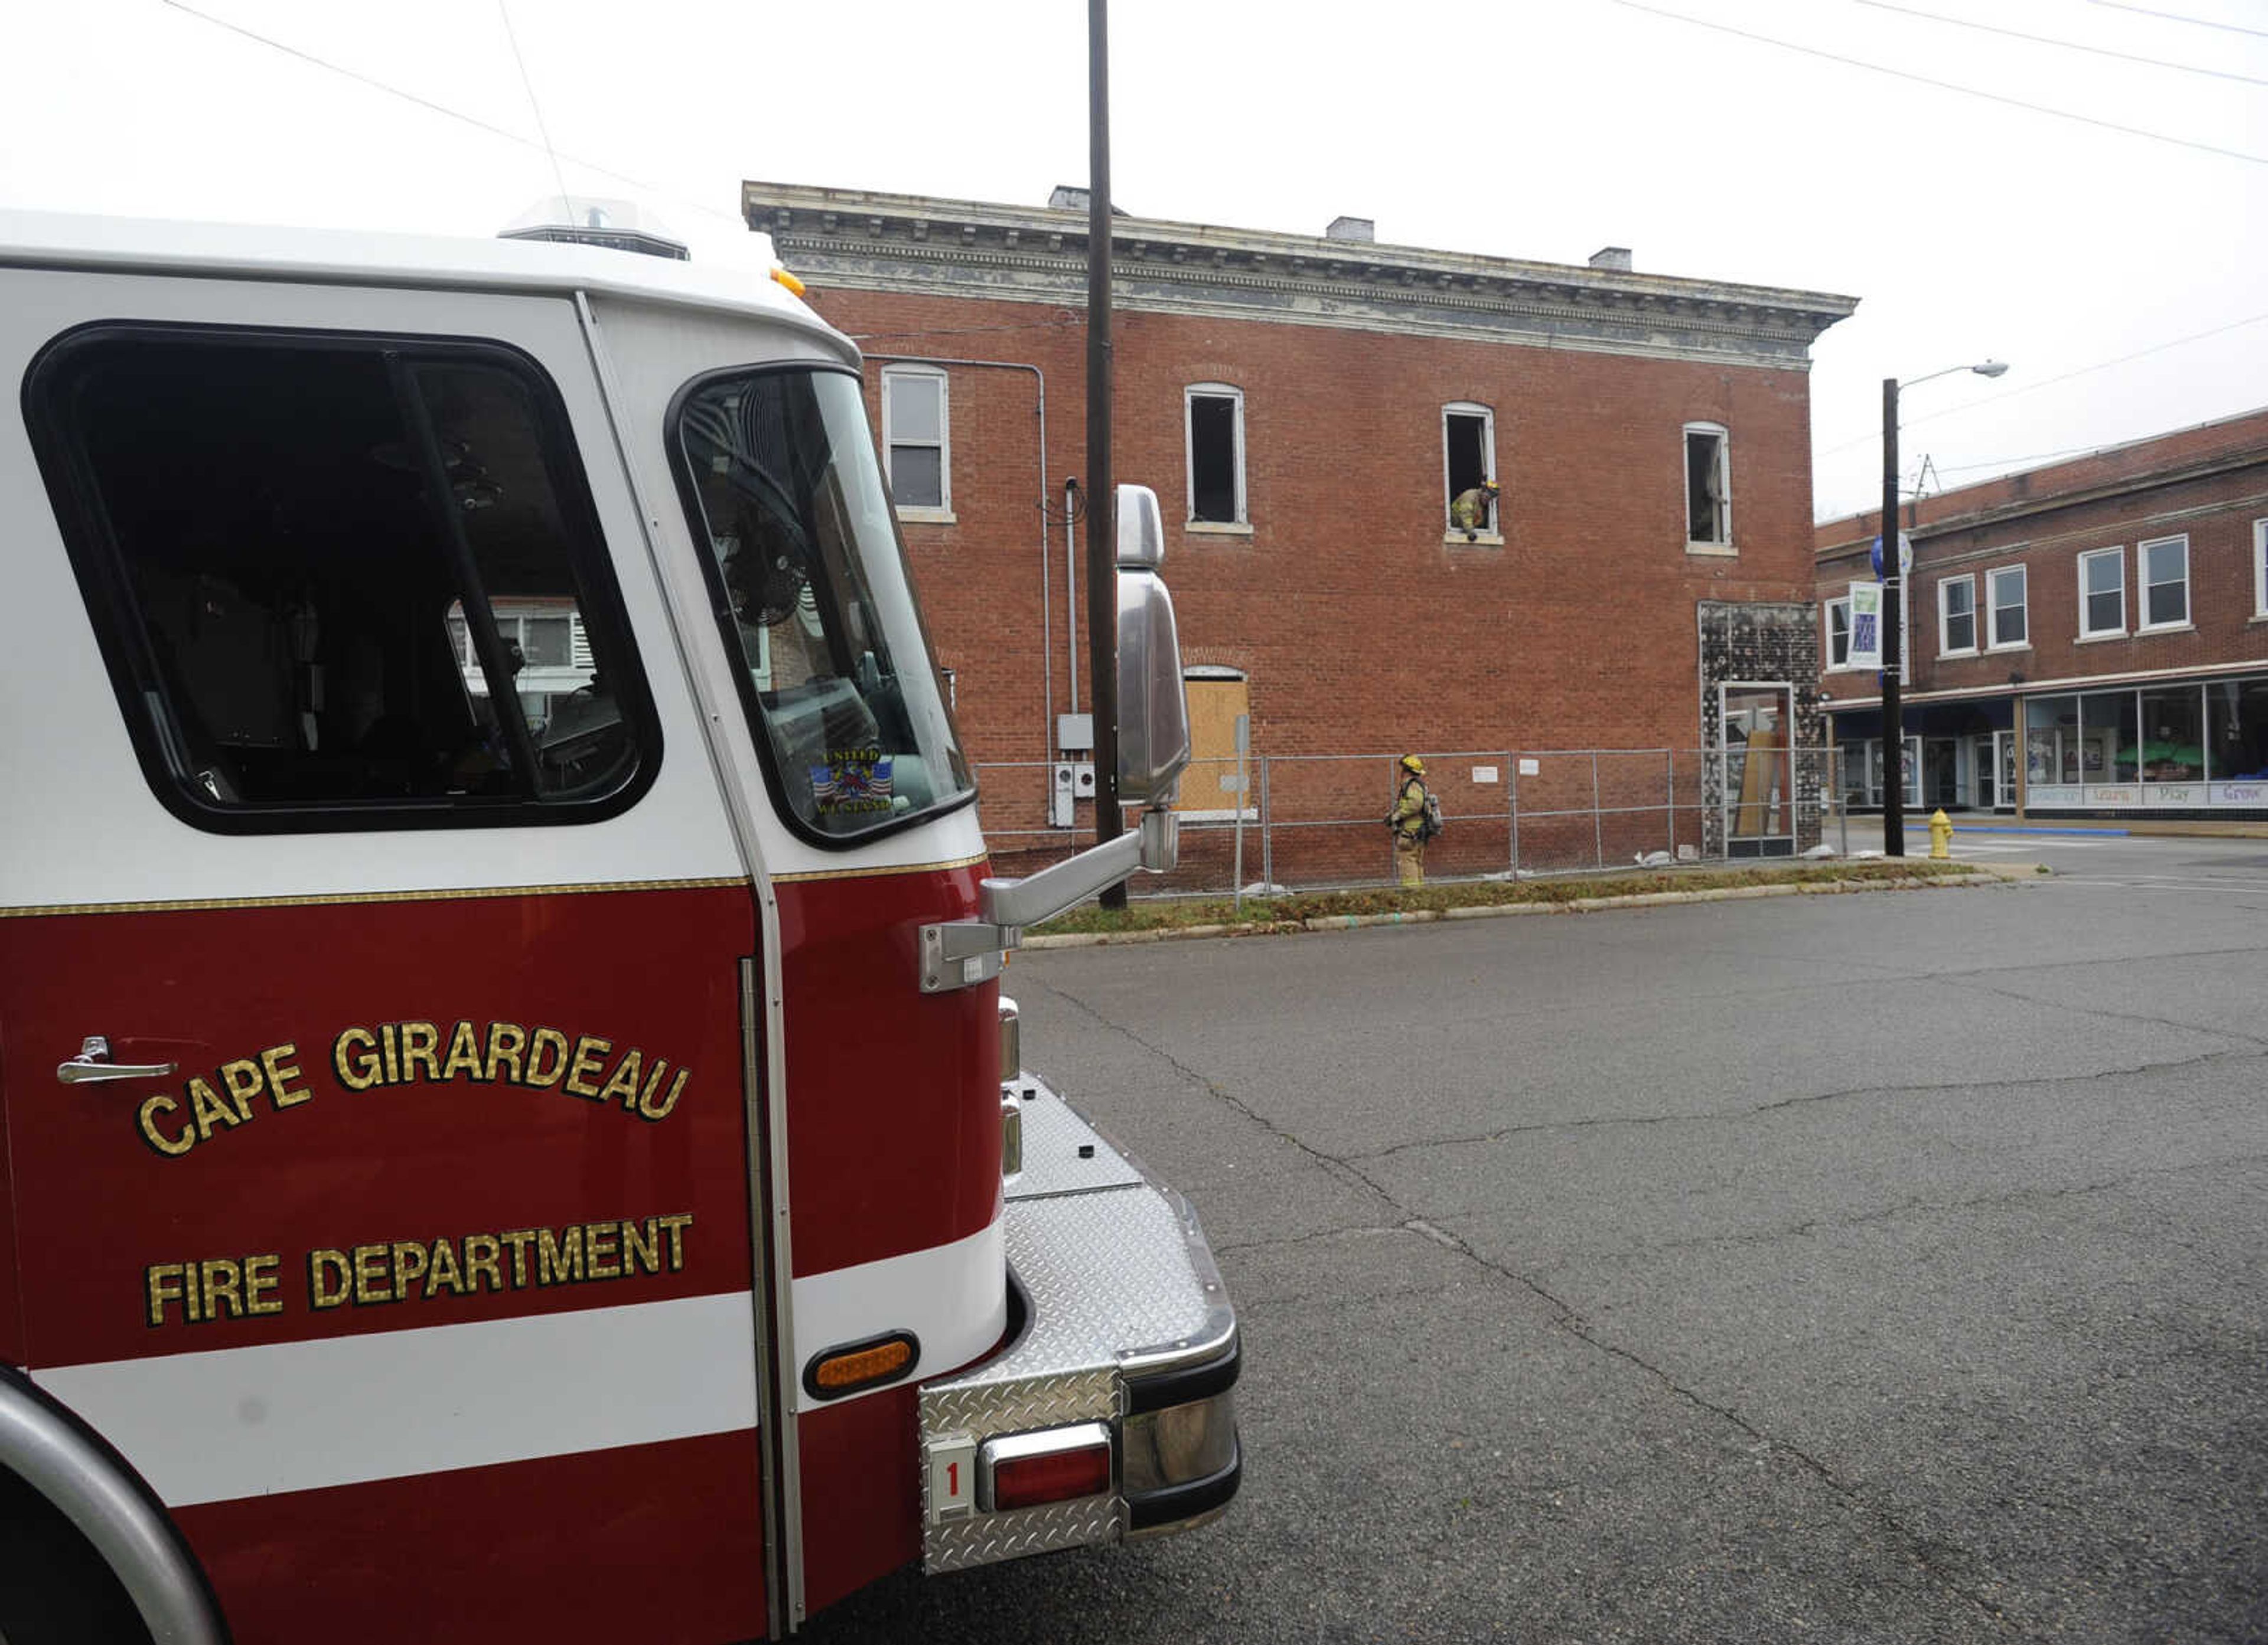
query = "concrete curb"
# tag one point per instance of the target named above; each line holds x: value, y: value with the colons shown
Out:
x: 1986, y: 876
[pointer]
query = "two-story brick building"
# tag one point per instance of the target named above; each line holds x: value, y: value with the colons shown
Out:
x: 2089, y: 638
x: 1306, y: 408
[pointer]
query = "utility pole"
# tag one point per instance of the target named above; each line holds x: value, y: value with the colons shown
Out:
x: 1102, y: 493
x: 1894, y: 731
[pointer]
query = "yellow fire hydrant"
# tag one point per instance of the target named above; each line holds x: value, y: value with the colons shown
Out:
x: 1941, y: 833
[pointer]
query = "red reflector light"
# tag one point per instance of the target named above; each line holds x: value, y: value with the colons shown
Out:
x: 1055, y: 1477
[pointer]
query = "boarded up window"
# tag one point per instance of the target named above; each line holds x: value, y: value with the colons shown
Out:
x: 1215, y: 702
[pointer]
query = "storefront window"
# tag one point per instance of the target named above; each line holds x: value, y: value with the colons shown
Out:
x: 2236, y: 731
x: 2173, y: 735
x: 2106, y: 738
x: 2050, y: 740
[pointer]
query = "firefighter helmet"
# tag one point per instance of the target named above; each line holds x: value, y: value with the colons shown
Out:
x: 1414, y: 765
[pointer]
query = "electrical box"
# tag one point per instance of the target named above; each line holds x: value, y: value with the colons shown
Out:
x: 1082, y: 779
x: 1059, y: 795
x: 1075, y: 733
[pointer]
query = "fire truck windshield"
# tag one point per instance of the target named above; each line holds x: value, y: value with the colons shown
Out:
x: 781, y: 477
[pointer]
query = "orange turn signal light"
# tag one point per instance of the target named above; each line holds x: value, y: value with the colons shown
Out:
x: 789, y: 281
x: 860, y: 1365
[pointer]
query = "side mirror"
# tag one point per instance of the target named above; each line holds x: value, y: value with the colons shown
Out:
x: 1154, y: 711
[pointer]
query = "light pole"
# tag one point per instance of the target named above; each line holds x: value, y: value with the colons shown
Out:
x: 1892, y: 573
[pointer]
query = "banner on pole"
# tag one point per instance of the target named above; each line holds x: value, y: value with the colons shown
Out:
x: 1867, y: 625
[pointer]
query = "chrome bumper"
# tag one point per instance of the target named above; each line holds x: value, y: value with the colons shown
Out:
x: 1124, y: 1322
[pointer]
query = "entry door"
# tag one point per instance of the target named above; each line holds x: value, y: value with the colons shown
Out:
x: 2004, y: 792
x: 1759, y: 788
x: 375, y: 1085
x: 1986, y: 762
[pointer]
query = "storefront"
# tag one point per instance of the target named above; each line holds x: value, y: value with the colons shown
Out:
x: 1960, y: 756
x: 2192, y: 748
x: 2197, y: 747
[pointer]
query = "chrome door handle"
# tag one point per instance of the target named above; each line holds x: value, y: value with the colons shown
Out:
x: 94, y: 1062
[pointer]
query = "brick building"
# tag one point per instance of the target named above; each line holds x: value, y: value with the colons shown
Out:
x: 2089, y: 638
x: 1307, y: 407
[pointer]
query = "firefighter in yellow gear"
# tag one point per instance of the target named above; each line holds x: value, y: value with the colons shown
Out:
x: 1468, y: 511
x: 1410, y: 822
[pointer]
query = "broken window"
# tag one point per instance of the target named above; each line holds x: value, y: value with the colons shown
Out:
x: 1216, y: 453
x: 1468, y: 453
x: 1708, y: 485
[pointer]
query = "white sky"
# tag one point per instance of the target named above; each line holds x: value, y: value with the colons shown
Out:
x: 1517, y: 127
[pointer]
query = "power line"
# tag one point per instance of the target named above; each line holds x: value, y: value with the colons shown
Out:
x: 2175, y: 17
x: 533, y: 107
x: 2066, y: 45
x: 1944, y: 85
x: 2011, y: 462
x: 2050, y: 382
x: 444, y: 109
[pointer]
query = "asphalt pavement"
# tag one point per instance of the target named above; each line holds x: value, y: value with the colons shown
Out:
x: 1888, y: 1266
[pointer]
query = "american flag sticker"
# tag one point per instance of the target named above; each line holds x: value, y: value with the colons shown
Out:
x: 852, y: 781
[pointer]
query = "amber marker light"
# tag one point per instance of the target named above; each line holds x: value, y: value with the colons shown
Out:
x: 857, y: 1366
x: 789, y: 281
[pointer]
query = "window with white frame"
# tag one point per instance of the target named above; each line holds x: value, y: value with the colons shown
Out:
x: 1214, y: 425
x: 916, y: 438
x: 2260, y: 567
x: 2009, y: 626
x: 1838, y: 633
x: 2102, y: 592
x: 2165, y: 580
x: 1957, y: 616
x: 1708, y: 486
x: 1468, y: 462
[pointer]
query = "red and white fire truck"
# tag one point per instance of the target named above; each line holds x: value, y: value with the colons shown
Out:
x: 512, y: 1129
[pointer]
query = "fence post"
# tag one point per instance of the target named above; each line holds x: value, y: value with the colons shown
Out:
x: 1842, y: 801
x: 1512, y: 783
x: 1267, y: 838
x: 1669, y: 762
x: 1598, y: 822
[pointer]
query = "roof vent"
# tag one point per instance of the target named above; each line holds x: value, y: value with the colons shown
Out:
x: 1613, y: 258
x: 1352, y: 229
x: 577, y: 220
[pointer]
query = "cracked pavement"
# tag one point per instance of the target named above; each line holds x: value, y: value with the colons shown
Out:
x: 1887, y: 1267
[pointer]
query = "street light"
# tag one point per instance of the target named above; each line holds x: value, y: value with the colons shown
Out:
x: 1894, y: 731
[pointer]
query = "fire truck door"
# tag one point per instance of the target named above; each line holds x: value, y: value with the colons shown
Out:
x: 371, y: 981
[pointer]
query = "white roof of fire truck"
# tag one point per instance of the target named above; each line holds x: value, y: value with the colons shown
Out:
x: 341, y: 256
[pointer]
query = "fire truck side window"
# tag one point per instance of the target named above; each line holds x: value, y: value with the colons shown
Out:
x: 343, y: 581
x: 781, y: 479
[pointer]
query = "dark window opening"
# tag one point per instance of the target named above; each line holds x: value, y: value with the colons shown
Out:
x: 1708, y: 517
x: 1468, y: 466
x: 318, y: 565
x: 1212, y: 459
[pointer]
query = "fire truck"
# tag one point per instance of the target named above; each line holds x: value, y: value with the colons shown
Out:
x: 512, y: 1128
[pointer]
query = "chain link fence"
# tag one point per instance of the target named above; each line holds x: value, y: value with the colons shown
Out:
x: 1316, y: 822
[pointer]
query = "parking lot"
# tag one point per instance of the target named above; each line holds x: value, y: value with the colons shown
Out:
x: 1887, y: 1266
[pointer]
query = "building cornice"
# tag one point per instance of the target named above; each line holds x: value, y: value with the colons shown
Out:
x: 856, y: 239
x: 2049, y: 502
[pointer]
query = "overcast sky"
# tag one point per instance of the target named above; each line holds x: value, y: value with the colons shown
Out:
x: 1969, y: 228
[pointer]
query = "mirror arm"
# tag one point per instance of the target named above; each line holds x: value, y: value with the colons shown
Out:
x: 968, y: 951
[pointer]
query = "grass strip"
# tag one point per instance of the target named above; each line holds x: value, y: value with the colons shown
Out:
x: 1172, y: 913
